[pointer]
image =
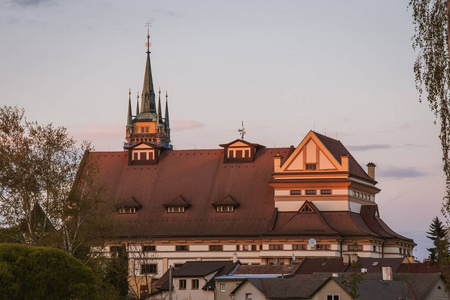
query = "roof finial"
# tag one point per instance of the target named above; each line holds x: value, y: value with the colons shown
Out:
x: 242, y: 131
x: 166, y: 120
x: 137, y: 104
x: 148, y: 25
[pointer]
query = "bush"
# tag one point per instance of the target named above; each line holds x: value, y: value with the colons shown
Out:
x: 43, y: 273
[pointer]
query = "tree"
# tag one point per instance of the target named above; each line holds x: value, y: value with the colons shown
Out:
x: 432, y: 69
x: 43, y: 273
x: 438, y: 234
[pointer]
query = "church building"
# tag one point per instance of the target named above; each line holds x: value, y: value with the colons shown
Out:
x: 242, y: 201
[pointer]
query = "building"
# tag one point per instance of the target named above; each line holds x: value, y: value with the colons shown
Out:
x: 262, y: 205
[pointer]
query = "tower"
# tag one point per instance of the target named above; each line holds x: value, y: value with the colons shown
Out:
x: 148, y: 125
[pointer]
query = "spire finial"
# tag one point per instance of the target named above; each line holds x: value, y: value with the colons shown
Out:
x: 137, y: 103
x: 148, y: 25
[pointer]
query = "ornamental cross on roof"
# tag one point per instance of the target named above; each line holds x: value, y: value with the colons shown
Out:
x: 242, y: 131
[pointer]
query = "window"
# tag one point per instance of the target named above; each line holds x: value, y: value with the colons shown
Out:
x: 114, y: 249
x: 323, y: 246
x: 181, y: 248
x: 237, y: 247
x: 226, y: 208
x: 355, y: 247
x: 299, y: 247
x: 310, y: 192
x: 175, y: 209
x: 177, y: 266
x: 311, y: 166
x: 215, y: 247
x: 142, y: 156
x: 135, y: 156
x: 325, y: 192
x: 149, y: 269
x: 244, y: 247
x: 182, y: 284
x: 296, y: 192
x: 194, y: 284
x: 144, y: 291
x: 332, y: 297
x: 276, y: 247
x: 374, y: 249
x: 306, y: 208
x: 222, y: 287
x: 149, y: 248
x: 127, y: 210
x: 254, y: 248
x: 248, y: 296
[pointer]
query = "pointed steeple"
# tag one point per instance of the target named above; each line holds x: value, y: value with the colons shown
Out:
x: 130, y: 116
x: 159, y: 108
x: 137, y: 104
x: 148, y: 93
x: 167, y: 113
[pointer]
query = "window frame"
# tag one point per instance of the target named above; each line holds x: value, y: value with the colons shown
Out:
x: 182, y: 284
x: 195, y: 283
x: 181, y: 248
x: 149, y: 248
x: 215, y: 247
x: 276, y: 247
x: 147, y: 269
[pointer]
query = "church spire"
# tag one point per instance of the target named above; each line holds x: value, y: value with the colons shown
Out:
x: 148, y: 104
x: 167, y: 112
x: 159, y: 107
x: 137, y: 104
x: 130, y: 116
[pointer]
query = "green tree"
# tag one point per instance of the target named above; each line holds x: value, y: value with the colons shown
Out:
x: 438, y: 234
x: 43, y: 273
x: 432, y: 69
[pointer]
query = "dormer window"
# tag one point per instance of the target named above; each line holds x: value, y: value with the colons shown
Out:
x: 224, y: 208
x: 311, y: 166
x: 129, y: 206
x: 240, y: 151
x: 226, y: 205
x: 178, y: 205
x: 143, y: 153
x: 127, y: 210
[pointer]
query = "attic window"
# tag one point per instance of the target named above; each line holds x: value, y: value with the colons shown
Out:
x: 225, y: 208
x: 306, y: 208
x: 175, y: 209
x: 127, y: 210
x: 296, y: 192
x: 311, y: 166
x: 310, y: 192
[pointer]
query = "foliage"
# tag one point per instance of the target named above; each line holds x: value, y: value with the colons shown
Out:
x: 352, y: 284
x: 438, y: 234
x: 432, y: 69
x: 42, y: 273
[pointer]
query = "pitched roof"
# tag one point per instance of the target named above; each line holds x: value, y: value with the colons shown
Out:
x: 265, y: 269
x: 376, y: 264
x: 228, y: 200
x: 203, y: 268
x: 310, y: 265
x: 337, y: 149
x: 177, y: 202
x: 130, y: 202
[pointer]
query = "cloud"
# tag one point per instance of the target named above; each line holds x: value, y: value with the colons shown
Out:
x: 93, y: 133
x: 400, y: 172
x: 26, y: 3
x: 412, y: 146
x: 362, y: 148
x: 186, y: 124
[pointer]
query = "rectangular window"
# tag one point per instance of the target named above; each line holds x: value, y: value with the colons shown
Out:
x: 194, y: 284
x: 332, y: 297
x: 222, y: 287
x: 177, y: 266
x: 355, y: 247
x: 215, y: 247
x: 310, y: 192
x: 323, y: 246
x: 149, y: 248
x: 276, y: 247
x: 254, y: 248
x: 227, y: 208
x: 135, y: 156
x: 181, y: 248
x: 175, y: 209
x: 325, y: 192
x: 182, y: 284
x: 149, y: 269
x: 143, y: 156
x: 311, y: 166
x: 237, y: 247
x: 247, y: 153
x: 374, y: 248
x: 238, y: 154
x: 299, y: 247
x: 296, y: 192
x: 248, y: 296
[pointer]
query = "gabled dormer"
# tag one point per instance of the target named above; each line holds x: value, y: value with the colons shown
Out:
x: 240, y: 151
x: 143, y: 153
x: 129, y: 206
x: 178, y: 205
x: 226, y: 205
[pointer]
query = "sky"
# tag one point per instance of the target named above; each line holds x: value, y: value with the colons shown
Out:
x: 341, y: 68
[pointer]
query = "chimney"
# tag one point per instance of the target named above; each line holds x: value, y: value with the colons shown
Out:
x: 387, y: 273
x: 371, y: 170
x: 344, y: 162
x: 277, y: 163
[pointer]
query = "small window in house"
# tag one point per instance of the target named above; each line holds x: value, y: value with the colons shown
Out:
x: 311, y: 166
x: 149, y: 269
x: 296, y: 192
x: 127, y: 210
x: 299, y: 247
x: 244, y: 247
x: 182, y: 284
x: 143, y: 156
x: 332, y: 297
x: 247, y: 153
x: 237, y: 247
x: 195, y: 284
x: 177, y: 266
x: 325, y: 192
x: 135, y: 156
x: 306, y: 208
x: 149, y: 248
x: 175, y: 209
x: 215, y: 247
x: 276, y: 247
x: 248, y: 296
x: 254, y: 247
x: 181, y: 248
x: 355, y: 247
x: 222, y: 287
x: 226, y: 208
x: 310, y: 192
x: 323, y: 246
x: 374, y: 248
